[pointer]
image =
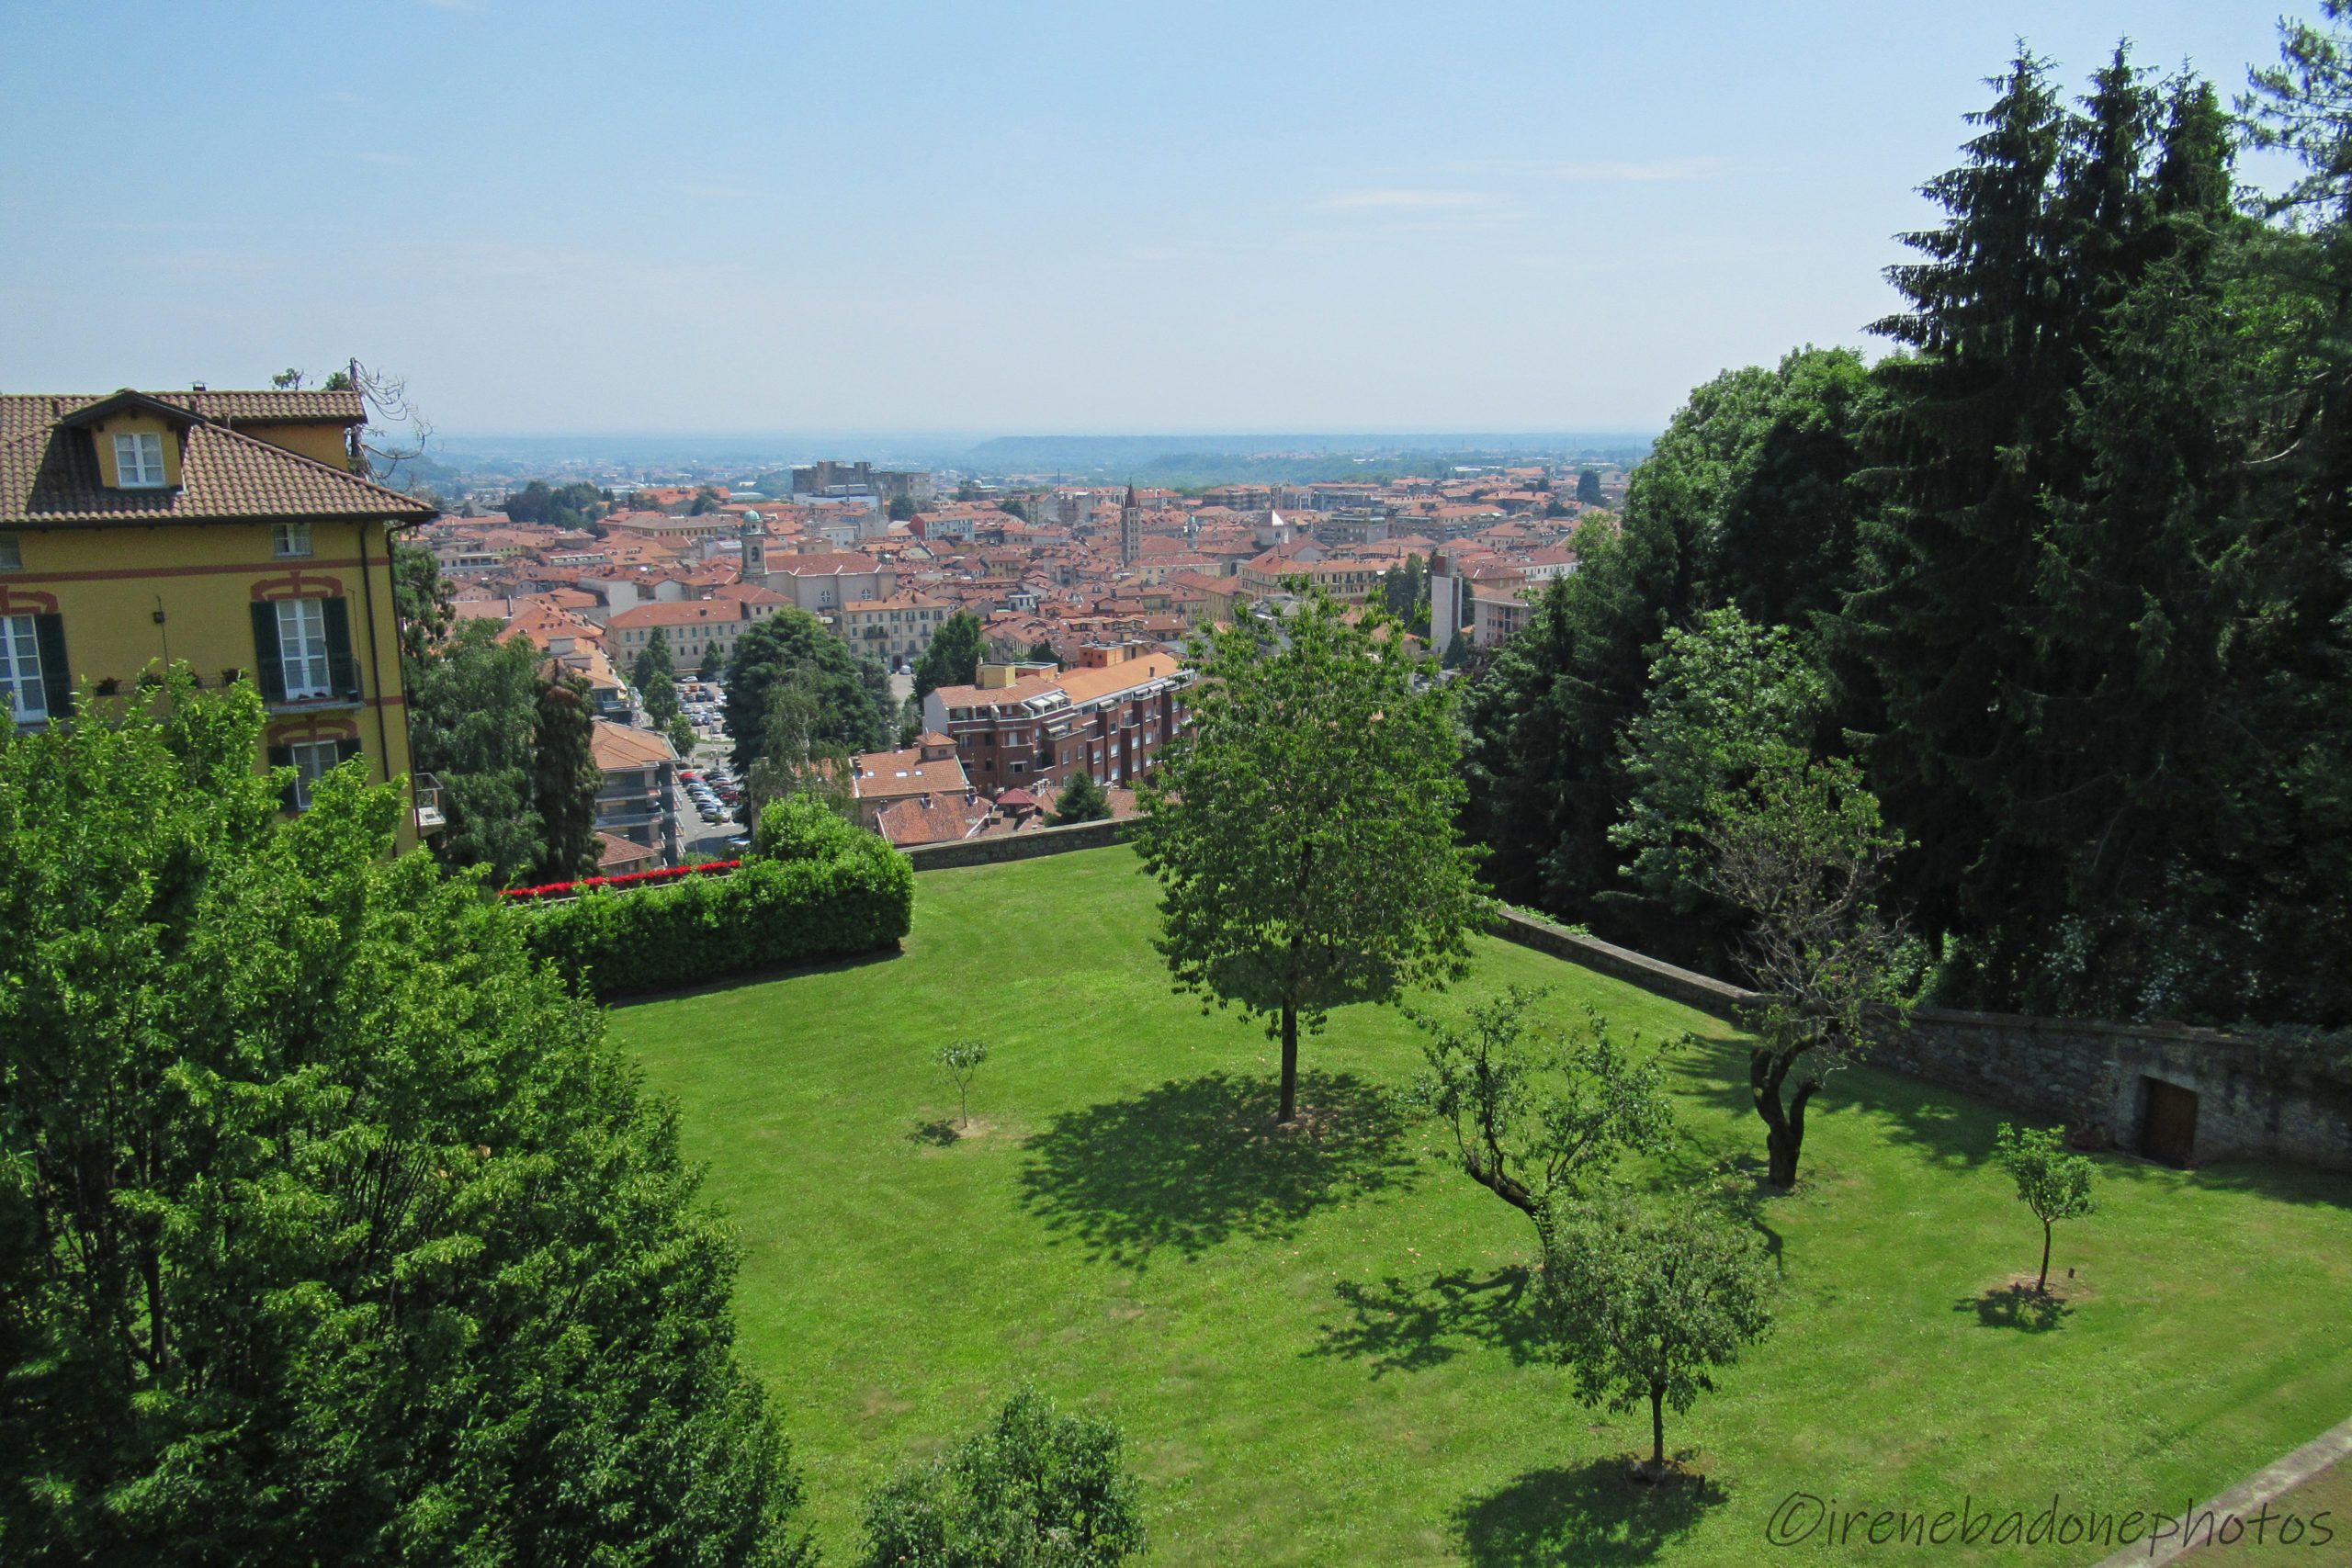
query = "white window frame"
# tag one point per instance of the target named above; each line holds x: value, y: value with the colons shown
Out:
x: 302, y: 650
x: 137, y: 447
x: 289, y: 541
x: 20, y: 669
x: 311, y: 759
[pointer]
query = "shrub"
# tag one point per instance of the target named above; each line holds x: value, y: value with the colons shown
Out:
x: 1035, y: 1489
x: 766, y: 912
x: 802, y: 827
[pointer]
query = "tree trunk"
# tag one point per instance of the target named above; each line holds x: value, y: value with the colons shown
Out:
x: 1657, y: 1428
x: 1290, y: 1065
x: 1783, y: 1125
x: 2041, y: 1286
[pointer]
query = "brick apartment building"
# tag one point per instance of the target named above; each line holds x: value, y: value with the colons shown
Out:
x: 1028, y: 726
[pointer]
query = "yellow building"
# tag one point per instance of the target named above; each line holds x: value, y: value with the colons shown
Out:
x: 224, y: 529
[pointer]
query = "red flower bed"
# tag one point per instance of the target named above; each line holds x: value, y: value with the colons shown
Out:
x: 630, y: 879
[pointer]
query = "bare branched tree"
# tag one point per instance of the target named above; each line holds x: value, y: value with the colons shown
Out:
x: 395, y: 433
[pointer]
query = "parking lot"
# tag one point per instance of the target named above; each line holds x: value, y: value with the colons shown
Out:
x: 707, y: 793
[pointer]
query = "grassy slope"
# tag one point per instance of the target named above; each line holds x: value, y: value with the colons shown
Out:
x: 1309, y: 1342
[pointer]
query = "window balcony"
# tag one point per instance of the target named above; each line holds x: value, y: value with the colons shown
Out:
x: 429, y: 818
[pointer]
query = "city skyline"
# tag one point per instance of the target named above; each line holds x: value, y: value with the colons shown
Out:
x: 913, y: 220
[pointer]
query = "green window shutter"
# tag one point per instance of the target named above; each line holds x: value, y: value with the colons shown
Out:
x: 267, y: 665
x: 56, y: 675
x: 283, y: 757
x: 346, y: 749
x: 342, y: 670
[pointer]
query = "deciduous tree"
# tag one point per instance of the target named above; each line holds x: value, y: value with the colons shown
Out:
x: 953, y: 656
x: 473, y: 720
x: 851, y: 696
x: 1301, y: 825
x: 2052, y: 1182
x: 1537, y: 1118
x: 1034, y: 1489
x: 332, y: 1227
x: 1797, y: 848
x: 1647, y: 1301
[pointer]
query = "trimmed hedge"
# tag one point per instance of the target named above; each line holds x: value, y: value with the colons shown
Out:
x: 767, y: 912
x: 625, y: 879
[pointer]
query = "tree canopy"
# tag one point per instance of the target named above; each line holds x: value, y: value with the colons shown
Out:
x: 851, y: 708
x: 1301, y: 824
x: 953, y: 656
x: 332, y: 1227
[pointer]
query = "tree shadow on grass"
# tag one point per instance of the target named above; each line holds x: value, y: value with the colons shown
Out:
x: 2015, y: 1306
x: 1591, y: 1516
x: 1409, y: 1328
x: 1188, y: 1166
x: 938, y: 1134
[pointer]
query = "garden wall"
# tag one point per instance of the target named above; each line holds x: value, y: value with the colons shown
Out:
x: 1023, y: 845
x: 2254, y: 1099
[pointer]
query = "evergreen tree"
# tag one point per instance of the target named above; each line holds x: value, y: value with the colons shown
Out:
x: 656, y: 680
x: 1081, y: 800
x: 1588, y: 486
x: 1972, y: 442
x: 566, y: 779
x: 1748, y: 500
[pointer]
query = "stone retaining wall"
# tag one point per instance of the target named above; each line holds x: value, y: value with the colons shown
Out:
x: 1025, y: 845
x: 2255, y: 1099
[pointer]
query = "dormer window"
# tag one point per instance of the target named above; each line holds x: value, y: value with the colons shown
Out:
x: 139, y: 460
x: 291, y: 541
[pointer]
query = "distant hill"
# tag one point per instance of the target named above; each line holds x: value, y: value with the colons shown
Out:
x: 1286, y: 459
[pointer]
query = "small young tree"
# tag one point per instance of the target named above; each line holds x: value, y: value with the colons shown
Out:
x: 1036, y: 1489
x: 679, y: 733
x: 1302, y: 826
x: 2053, y: 1182
x: 962, y: 1059
x: 1081, y: 800
x: 1537, y: 1118
x: 1646, y: 1301
x: 1799, y: 851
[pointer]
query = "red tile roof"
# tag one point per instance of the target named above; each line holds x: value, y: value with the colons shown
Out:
x: 50, y: 475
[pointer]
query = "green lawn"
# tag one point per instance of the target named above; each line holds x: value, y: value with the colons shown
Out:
x: 1313, y: 1343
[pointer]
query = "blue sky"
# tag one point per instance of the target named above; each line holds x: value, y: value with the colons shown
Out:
x: 1006, y: 217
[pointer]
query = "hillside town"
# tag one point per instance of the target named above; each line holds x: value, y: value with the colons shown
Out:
x: 1104, y: 584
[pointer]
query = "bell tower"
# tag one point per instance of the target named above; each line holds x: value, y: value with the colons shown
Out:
x: 755, y: 550
x: 1130, y: 528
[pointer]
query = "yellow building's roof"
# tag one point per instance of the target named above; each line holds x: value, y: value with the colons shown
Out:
x: 49, y: 472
